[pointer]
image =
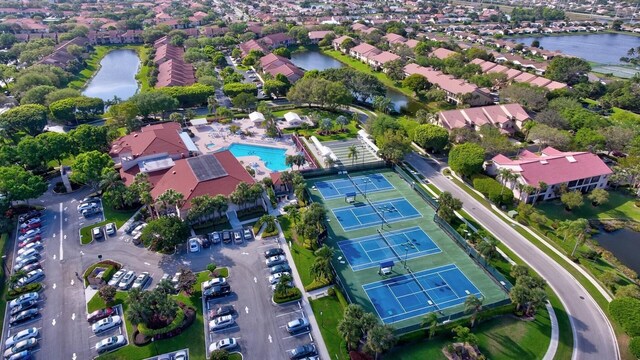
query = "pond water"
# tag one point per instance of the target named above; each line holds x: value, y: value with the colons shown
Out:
x: 624, y: 245
x: 598, y: 48
x: 116, y: 76
x: 315, y: 60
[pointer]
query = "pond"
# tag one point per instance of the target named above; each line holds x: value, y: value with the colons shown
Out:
x: 597, y: 48
x: 315, y: 60
x: 623, y: 244
x: 116, y: 76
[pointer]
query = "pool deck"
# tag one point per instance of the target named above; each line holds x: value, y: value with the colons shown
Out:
x: 213, y: 137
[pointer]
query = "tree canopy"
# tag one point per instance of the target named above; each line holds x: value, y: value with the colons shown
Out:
x: 466, y: 159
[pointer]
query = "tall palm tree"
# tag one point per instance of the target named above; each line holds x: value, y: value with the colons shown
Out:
x: 294, y: 215
x: 537, y: 299
x: 431, y: 322
x: 581, y: 231
x: 287, y: 178
x: 519, y: 295
x: 353, y: 153
x: 542, y: 187
x: 321, y: 270
x: 110, y: 179
x: 473, y: 305
x: 172, y: 198
x: 525, y: 191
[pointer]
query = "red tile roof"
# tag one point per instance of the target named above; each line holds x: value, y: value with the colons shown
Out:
x: 554, y: 166
x: 182, y: 178
x: 150, y: 140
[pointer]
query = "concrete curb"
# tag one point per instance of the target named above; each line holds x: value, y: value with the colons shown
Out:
x: 555, y: 334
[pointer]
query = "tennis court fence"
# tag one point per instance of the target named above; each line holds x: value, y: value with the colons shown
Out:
x: 312, y: 173
x: 494, y: 274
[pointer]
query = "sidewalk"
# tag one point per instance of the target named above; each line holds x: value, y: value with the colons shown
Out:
x: 555, y: 334
x: 304, y: 302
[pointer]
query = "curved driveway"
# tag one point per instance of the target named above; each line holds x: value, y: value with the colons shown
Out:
x: 593, y: 335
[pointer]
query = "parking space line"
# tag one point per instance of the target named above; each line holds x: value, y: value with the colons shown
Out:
x: 296, y: 335
x: 289, y: 313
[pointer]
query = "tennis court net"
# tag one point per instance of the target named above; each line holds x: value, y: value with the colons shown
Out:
x: 364, y: 195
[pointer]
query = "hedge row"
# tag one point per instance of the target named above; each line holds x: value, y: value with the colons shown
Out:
x: 176, y: 323
x: 189, y: 96
x: 290, y: 295
x: 111, y: 268
x: 493, y: 190
x: 15, y: 292
x: 626, y: 311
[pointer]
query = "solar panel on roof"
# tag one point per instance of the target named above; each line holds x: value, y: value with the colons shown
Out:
x: 206, y: 167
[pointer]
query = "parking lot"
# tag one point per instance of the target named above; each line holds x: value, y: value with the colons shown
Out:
x: 120, y: 329
x: 250, y: 297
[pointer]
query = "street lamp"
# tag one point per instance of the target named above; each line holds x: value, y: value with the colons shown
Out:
x: 321, y: 320
x: 407, y: 245
x: 366, y: 185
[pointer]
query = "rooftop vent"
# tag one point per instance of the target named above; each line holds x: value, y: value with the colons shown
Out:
x: 571, y: 159
x: 544, y: 162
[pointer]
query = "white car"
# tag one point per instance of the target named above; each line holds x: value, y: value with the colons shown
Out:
x: 224, y: 344
x: 141, y: 280
x: 110, y: 343
x: 221, y: 322
x: 127, y: 280
x: 27, y: 254
x: 24, y: 298
x: 275, y: 260
x: 106, y: 324
x: 34, y: 245
x: 115, y: 279
x: 180, y: 355
x: 22, y: 335
x: 110, y: 229
x: 215, y: 281
x: 31, y: 277
x: 85, y: 206
x: 273, y: 279
x: 194, y: 245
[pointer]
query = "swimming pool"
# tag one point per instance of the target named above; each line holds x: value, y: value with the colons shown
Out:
x: 272, y: 157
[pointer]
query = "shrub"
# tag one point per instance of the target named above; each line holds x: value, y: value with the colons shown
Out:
x: 15, y: 292
x: 626, y: 311
x: 189, y: 96
x: 290, y: 295
x: 233, y: 89
x: 634, y: 347
x: 176, y: 323
x: 493, y: 190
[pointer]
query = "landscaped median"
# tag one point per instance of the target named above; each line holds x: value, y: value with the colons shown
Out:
x: 111, y: 215
x: 191, y: 336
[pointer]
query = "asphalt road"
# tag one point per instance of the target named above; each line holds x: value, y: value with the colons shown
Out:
x: 594, y: 338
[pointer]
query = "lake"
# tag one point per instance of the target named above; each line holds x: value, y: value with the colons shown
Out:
x: 598, y: 48
x: 116, y: 76
x: 315, y: 60
x: 623, y: 244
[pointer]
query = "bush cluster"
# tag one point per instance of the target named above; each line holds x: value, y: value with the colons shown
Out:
x: 15, y: 292
x: 493, y: 190
x: 290, y: 295
x: 189, y: 96
x: 176, y: 323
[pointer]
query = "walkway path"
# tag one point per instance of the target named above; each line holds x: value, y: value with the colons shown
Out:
x: 555, y: 334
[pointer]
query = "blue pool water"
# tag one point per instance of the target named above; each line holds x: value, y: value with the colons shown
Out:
x: 273, y: 158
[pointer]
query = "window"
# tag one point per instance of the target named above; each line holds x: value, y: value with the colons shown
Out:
x: 572, y: 183
x: 595, y: 179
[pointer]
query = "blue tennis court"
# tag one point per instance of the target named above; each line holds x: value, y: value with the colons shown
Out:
x: 370, y: 251
x: 402, y: 297
x: 363, y: 215
x: 339, y: 188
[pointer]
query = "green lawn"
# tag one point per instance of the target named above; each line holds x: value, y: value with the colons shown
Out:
x: 111, y: 215
x: 332, y: 312
x: 192, y: 338
x: 301, y: 256
x: 620, y: 206
x: 360, y: 66
x: 143, y: 74
x: 3, y: 288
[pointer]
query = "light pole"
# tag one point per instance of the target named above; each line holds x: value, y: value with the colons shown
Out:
x: 407, y: 245
x: 321, y: 320
x: 366, y: 185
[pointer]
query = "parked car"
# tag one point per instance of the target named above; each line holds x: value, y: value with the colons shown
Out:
x: 31, y: 267
x: 215, y: 237
x: 23, y: 355
x: 86, y: 205
x: 22, y: 262
x: 115, y: 279
x: 217, y: 291
x: 276, y: 260
x: 280, y: 268
x: 36, y: 245
x: 24, y: 306
x: 34, y: 220
x: 273, y: 252
x: 223, y: 310
x: 30, y: 215
x: 302, y: 351
x: 96, y: 232
x: 25, y: 228
x: 24, y: 298
x: 237, y: 237
x: 175, y: 279
x: 28, y: 241
x: 273, y: 279
x: 288, y: 284
x: 298, y: 325
x: 127, y: 280
x: 20, y: 336
x: 110, y: 343
x: 221, y: 322
x: 27, y: 253
x: 110, y: 229
x: 129, y: 229
x: 180, y: 355
x: 215, y: 281
x: 100, y: 314
x: 23, y: 316
x: 194, y: 245
x: 29, y: 234
x: 106, y: 324
x: 226, y: 237
x: 20, y: 347
x: 90, y: 211
x: 91, y: 200
x: 227, y: 344
x: 141, y: 281
x: 247, y: 234
x: 31, y: 277
x: 204, y: 241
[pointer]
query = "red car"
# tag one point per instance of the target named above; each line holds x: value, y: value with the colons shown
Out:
x: 29, y: 241
x: 100, y: 314
x: 29, y: 227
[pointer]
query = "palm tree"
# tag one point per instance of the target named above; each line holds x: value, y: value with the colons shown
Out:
x: 110, y: 179
x: 342, y: 121
x: 328, y: 161
x: 582, y: 232
x: 172, y: 198
x: 212, y: 102
x: 380, y: 338
x: 525, y: 191
x: 473, y: 305
x: 240, y: 195
x: 519, y: 295
x: 537, y: 298
x: 289, y: 160
x: 487, y: 248
x: 287, y: 178
x: 431, y: 321
x: 542, y: 187
x: 321, y: 270
x: 294, y: 215
x: 353, y: 153
x: 325, y: 252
